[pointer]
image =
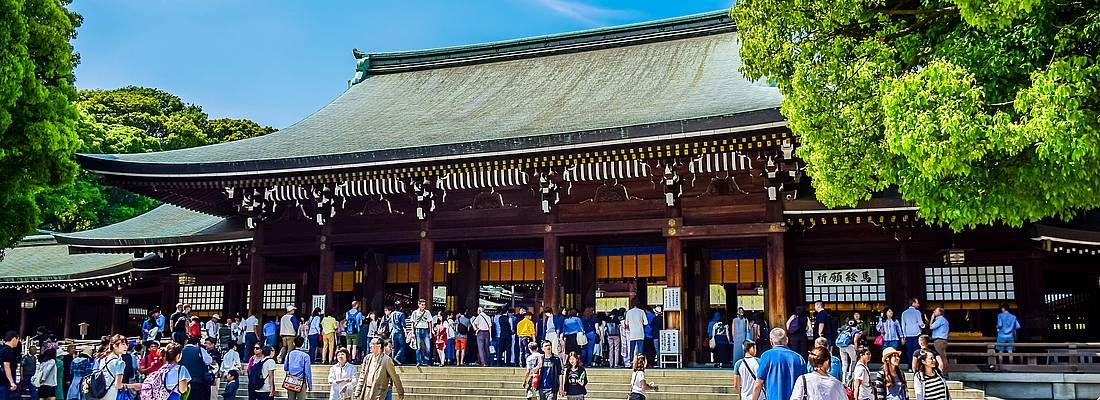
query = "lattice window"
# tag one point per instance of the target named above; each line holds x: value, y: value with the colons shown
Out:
x: 845, y: 285
x: 276, y: 295
x: 203, y: 297
x: 969, y: 283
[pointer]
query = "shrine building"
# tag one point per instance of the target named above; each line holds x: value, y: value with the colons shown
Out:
x: 582, y: 169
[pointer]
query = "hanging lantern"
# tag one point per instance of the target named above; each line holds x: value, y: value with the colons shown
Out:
x: 28, y: 304
x: 187, y: 279
x: 122, y: 300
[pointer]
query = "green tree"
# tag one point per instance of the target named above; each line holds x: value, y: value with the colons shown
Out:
x: 979, y: 111
x: 130, y: 120
x: 37, y: 118
x: 229, y: 129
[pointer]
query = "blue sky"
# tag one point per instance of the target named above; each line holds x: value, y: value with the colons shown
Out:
x: 277, y: 61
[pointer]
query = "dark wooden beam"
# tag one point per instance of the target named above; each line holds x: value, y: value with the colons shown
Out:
x: 551, y: 271
x: 326, y: 265
x: 427, y: 270
x: 256, y: 273
x: 777, y: 280
x: 695, y: 232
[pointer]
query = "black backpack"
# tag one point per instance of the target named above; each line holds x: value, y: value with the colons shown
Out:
x: 462, y: 328
x: 256, y: 376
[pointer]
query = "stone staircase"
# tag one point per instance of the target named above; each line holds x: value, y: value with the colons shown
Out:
x: 497, y: 383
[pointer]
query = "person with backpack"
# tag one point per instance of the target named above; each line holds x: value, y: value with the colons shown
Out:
x: 744, y: 370
x: 719, y: 340
x: 846, y: 344
x: 614, y: 340
x: 197, y: 361
x: 106, y: 379
x: 171, y: 381
x: 152, y: 360
x: 261, y: 375
x: 796, y: 331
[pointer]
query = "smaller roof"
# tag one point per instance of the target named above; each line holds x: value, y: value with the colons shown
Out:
x: 1080, y: 236
x: 164, y: 226
x: 39, y: 261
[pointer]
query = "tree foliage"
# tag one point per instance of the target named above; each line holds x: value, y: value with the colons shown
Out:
x: 130, y: 120
x: 37, y: 118
x: 979, y: 111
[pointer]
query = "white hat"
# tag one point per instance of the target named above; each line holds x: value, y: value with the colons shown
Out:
x: 215, y: 316
x: 291, y: 308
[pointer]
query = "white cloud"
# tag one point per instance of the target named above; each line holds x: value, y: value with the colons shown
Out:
x: 583, y: 13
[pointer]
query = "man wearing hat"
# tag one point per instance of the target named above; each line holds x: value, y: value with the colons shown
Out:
x: 288, y: 329
x: 212, y: 327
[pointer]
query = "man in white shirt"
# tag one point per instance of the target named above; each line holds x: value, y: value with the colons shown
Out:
x: 483, y: 327
x: 250, y: 331
x: 212, y: 326
x: 422, y: 324
x: 288, y: 330
x: 636, y: 321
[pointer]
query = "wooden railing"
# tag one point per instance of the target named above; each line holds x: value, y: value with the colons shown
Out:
x: 1026, y: 357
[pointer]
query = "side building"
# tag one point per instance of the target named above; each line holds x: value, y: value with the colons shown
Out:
x: 584, y: 169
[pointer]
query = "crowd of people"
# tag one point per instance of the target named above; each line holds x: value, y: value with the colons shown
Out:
x: 181, y: 353
x: 836, y: 366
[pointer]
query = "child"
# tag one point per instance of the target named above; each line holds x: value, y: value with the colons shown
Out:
x: 231, y: 385
x: 638, y: 383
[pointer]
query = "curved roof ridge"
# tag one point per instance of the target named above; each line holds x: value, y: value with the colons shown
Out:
x: 535, y: 46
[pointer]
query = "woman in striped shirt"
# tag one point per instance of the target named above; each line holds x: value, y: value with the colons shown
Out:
x: 928, y: 382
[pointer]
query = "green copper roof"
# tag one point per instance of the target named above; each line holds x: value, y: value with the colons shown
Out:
x: 685, y: 69
x: 41, y: 259
x: 164, y: 225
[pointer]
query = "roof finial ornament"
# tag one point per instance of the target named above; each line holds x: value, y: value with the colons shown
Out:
x: 362, y: 64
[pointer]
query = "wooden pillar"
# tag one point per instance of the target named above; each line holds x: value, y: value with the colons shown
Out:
x: 256, y: 274
x: 67, y: 323
x: 22, y: 321
x: 326, y: 267
x: 777, y: 280
x: 551, y: 272
x: 427, y: 270
x: 674, y: 275
x: 114, y: 318
x: 374, y: 280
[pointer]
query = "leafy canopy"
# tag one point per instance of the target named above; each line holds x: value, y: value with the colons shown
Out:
x: 130, y: 120
x: 979, y: 111
x: 37, y: 117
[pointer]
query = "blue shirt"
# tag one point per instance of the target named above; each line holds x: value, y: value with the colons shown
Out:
x: 779, y: 368
x: 161, y: 321
x: 911, y: 322
x: 649, y: 316
x: 270, y: 328
x: 230, y: 392
x: 940, y: 328
x: 550, y: 373
x: 889, y: 329
x: 297, y: 364
x: 573, y: 325
x: 397, y: 323
x: 836, y: 369
x: 354, y: 318
x: 1007, y: 324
